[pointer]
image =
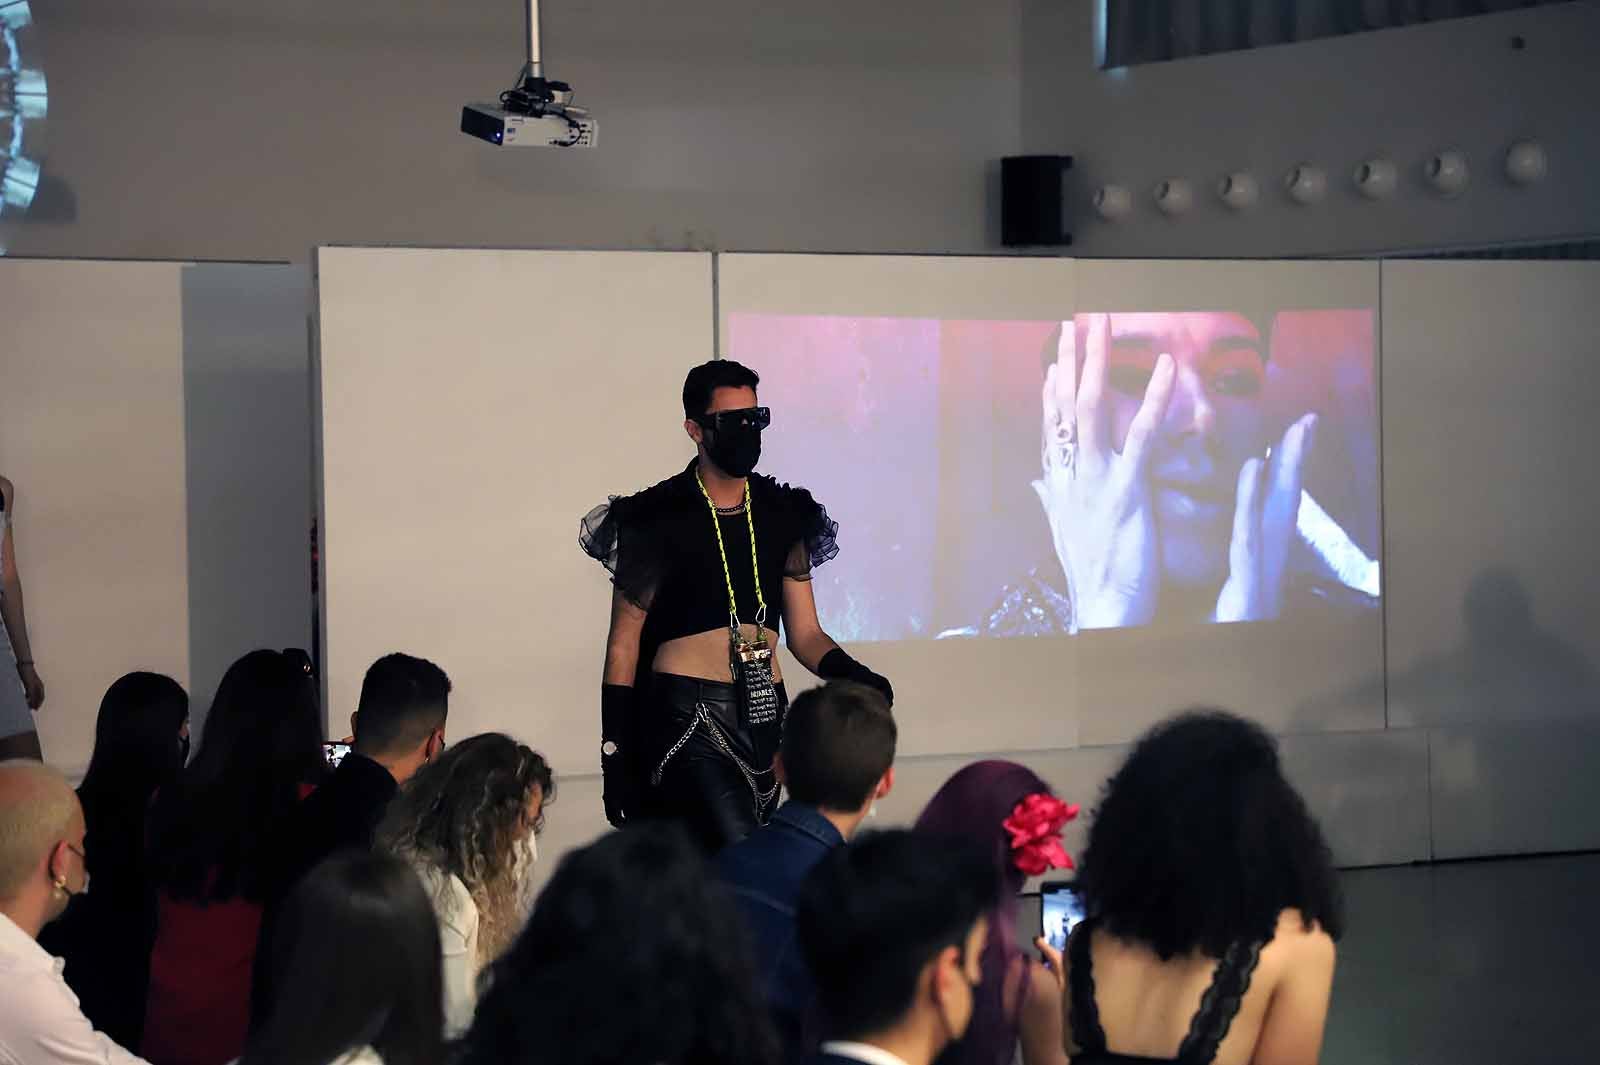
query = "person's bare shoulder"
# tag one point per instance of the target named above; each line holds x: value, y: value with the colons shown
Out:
x: 1300, y: 942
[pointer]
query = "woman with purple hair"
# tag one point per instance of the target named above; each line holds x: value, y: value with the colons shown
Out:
x: 1009, y: 810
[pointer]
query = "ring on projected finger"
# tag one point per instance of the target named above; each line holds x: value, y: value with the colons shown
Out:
x: 1064, y: 441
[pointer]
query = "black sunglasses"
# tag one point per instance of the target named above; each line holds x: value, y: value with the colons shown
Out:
x: 743, y: 418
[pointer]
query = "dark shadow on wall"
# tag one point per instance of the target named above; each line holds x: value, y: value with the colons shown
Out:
x: 1510, y: 670
x: 247, y: 430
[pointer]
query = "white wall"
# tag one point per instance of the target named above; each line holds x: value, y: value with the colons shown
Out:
x: 1403, y: 93
x: 475, y: 406
x: 155, y: 418
x: 256, y: 131
x: 445, y: 538
x: 1489, y: 387
x: 91, y: 432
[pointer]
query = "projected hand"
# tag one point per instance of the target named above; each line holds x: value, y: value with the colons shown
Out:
x: 1097, y: 499
x: 1265, y: 511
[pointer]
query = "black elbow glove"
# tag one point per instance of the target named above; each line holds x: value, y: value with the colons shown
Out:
x: 836, y: 665
x: 617, y: 756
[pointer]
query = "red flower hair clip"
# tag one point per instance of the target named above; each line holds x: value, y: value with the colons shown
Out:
x: 1035, y: 827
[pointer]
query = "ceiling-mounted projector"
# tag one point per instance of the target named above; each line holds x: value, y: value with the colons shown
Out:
x: 563, y: 127
x: 536, y: 113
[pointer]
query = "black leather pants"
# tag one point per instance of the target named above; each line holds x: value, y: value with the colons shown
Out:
x: 707, y: 771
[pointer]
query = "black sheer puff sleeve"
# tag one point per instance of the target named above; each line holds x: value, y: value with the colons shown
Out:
x: 814, y: 534
x: 616, y: 534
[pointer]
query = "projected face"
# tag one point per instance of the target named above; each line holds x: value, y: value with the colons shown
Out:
x: 1213, y: 423
x: 1155, y: 472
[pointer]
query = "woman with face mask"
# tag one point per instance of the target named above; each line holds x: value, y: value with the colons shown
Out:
x: 141, y: 743
x: 709, y: 567
x: 468, y: 822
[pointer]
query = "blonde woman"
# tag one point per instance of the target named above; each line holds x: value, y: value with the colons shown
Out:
x: 467, y: 822
x: 18, y: 739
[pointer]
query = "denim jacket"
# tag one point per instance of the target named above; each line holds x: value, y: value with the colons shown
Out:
x: 765, y: 871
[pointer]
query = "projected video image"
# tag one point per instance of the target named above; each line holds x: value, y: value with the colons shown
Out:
x: 996, y: 479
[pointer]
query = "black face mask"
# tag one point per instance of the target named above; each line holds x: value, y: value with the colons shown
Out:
x: 735, y: 449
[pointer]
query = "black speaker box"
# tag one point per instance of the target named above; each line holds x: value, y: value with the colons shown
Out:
x: 1032, y: 201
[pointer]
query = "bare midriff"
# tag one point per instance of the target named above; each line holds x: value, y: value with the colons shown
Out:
x: 705, y: 655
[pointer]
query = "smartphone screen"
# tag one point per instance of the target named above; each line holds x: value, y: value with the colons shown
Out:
x: 1060, y: 910
x: 335, y: 752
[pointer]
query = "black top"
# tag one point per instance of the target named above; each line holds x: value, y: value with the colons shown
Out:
x: 1206, y: 1031
x: 661, y: 551
x: 342, y: 814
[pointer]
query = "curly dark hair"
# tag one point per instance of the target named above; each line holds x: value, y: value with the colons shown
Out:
x: 630, y: 955
x: 1200, y: 842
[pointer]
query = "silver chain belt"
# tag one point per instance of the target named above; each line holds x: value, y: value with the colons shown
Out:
x: 702, y: 716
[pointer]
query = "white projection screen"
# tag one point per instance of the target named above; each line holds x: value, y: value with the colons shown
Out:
x: 919, y: 400
x: 475, y: 405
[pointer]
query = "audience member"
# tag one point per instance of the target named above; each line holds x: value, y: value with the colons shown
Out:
x: 217, y: 852
x: 1009, y: 812
x: 140, y: 745
x: 349, y: 972
x: 397, y: 727
x: 1211, y: 907
x: 629, y: 956
x: 894, y: 929
x: 835, y: 761
x: 42, y: 864
x: 468, y: 823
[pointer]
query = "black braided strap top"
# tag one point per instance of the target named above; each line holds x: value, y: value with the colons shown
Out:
x: 1209, y: 1027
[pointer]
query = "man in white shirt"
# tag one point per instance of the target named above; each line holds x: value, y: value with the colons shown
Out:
x: 41, y: 868
x: 893, y: 928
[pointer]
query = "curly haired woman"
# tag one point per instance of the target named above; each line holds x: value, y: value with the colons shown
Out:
x: 468, y: 822
x: 1212, y: 907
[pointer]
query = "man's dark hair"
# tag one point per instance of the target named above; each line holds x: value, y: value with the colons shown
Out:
x: 706, y: 378
x: 838, y: 741
x: 1200, y: 842
x: 873, y: 913
x: 402, y: 700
